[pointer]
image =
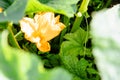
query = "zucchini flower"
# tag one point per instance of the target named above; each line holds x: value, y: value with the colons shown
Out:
x: 41, y: 29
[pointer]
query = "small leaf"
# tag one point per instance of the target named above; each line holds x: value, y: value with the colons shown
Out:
x: 78, y: 37
x: 75, y: 42
x: 92, y: 71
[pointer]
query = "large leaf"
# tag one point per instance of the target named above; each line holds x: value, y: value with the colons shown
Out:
x: 5, y: 3
x: 105, y: 28
x: 20, y: 65
x: 14, y: 12
x: 66, y: 7
x: 72, y: 52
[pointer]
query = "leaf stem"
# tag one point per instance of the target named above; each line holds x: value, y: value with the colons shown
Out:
x: 108, y: 3
x: 76, y: 23
x: 12, y: 39
x: 87, y: 35
x: 18, y: 34
x: 84, y: 6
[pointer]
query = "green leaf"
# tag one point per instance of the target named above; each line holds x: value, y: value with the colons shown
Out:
x: 36, y: 6
x: 105, y: 30
x: 75, y: 42
x: 14, y: 12
x: 51, y: 60
x: 64, y: 7
x: 3, y: 25
x: 76, y: 78
x: 71, y: 50
x: 92, y: 71
x: 58, y: 74
x: 17, y: 64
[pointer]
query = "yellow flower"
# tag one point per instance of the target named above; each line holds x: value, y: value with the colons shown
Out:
x: 1, y: 10
x: 41, y: 29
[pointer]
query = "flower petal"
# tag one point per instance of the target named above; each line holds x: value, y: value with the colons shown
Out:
x: 43, y: 18
x: 44, y: 47
x: 49, y: 26
x: 50, y: 33
x: 28, y: 27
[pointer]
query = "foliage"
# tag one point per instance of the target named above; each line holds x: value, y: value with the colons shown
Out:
x: 23, y: 65
x: 68, y: 9
x: 72, y: 54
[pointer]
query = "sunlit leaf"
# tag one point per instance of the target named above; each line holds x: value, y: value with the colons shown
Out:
x: 64, y: 7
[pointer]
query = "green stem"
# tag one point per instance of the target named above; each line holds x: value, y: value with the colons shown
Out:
x: 76, y: 23
x: 84, y: 6
x: 87, y: 35
x: 16, y: 35
x: 78, y: 20
x: 12, y: 39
